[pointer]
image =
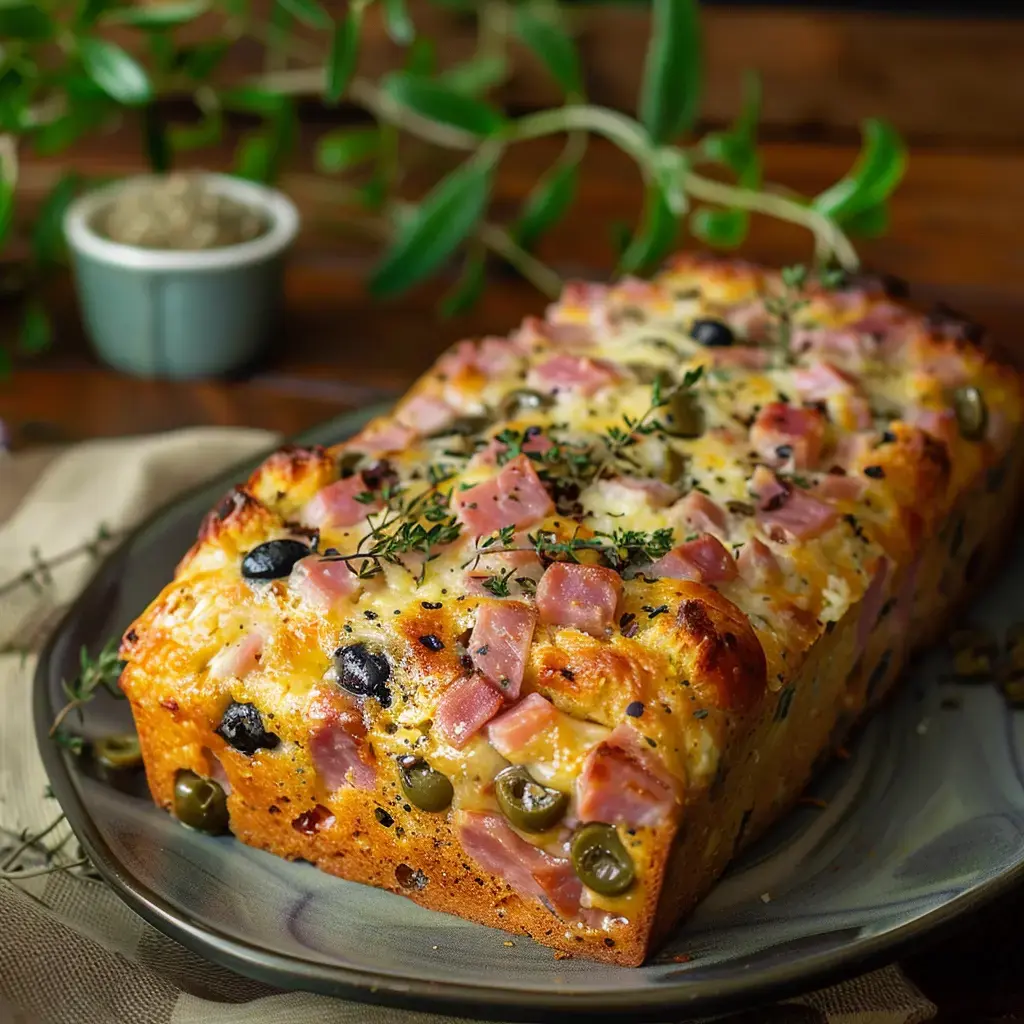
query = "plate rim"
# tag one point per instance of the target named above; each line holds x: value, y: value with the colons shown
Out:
x: 485, y: 1001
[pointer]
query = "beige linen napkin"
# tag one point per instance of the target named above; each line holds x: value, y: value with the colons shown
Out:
x: 70, y: 951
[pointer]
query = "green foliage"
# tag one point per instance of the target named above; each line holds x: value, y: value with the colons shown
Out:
x: 118, y: 59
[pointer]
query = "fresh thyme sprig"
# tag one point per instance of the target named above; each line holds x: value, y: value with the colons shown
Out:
x: 10, y: 868
x: 794, y: 297
x: 101, y: 672
x: 40, y: 574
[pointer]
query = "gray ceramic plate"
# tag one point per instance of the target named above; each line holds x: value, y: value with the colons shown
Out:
x: 924, y: 822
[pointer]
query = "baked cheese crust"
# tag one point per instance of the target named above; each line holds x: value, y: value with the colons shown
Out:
x: 549, y: 643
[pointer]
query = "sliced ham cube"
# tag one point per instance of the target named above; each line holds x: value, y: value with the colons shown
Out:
x: 322, y: 583
x: 822, y: 381
x: 500, y: 643
x: 781, y: 432
x: 757, y: 563
x: 578, y: 374
x: 624, y: 782
x: 514, y: 729
x: 337, y: 742
x: 238, y: 659
x: 426, y: 414
x: 744, y: 357
x: 382, y: 437
x: 582, y: 596
x: 698, y: 512
x: 840, y: 487
x: 336, y: 506
x: 535, y: 444
x: 581, y: 302
x: 786, y: 512
x: 466, y: 707
x: 704, y: 560
x: 531, y: 872
x: 562, y: 335
x: 848, y: 345
x: 515, y: 497
x: 490, y: 357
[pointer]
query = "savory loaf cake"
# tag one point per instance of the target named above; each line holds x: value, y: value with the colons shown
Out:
x: 545, y: 646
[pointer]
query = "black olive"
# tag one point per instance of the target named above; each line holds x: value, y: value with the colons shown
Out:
x: 428, y: 789
x: 685, y: 417
x: 200, y: 803
x: 523, y: 400
x: 600, y: 860
x: 242, y: 728
x: 364, y: 673
x: 117, y: 752
x: 380, y: 475
x: 272, y: 560
x: 971, y: 413
x: 348, y: 463
x: 526, y: 803
x: 712, y: 333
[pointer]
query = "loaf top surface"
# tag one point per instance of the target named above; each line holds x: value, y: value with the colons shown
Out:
x: 590, y: 548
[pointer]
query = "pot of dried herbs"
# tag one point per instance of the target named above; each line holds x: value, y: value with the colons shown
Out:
x: 180, y: 275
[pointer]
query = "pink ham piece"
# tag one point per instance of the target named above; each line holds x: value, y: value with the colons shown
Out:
x: 500, y: 642
x: 638, y: 292
x: 840, y: 487
x: 515, y: 497
x: 704, y: 560
x: 744, y: 357
x: 238, y: 659
x: 379, y: 438
x: 871, y: 604
x: 786, y: 512
x: 562, y: 335
x: 849, y: 346
x: 323, y: 584
x: 582, y: 596
x: 624, y: 783
x: 699, y: 512
x: 940, y: 423
x: 511, y: 731
x: 531, y: 872
x: 337, y: 742
x: 822, y: 381
x: 336, y: 506
x: 490, y: 357
x: 581, y: 302
x: 579, y: 374
x: 780, y: 426
x: 536, y: 444
x: 757, y: 563
x: 426, y: 414
x: 466, y: 707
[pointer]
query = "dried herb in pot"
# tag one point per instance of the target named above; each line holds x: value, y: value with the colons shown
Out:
x: 180, y: 212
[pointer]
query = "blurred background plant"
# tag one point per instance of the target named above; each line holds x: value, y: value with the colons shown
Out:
x: 73, y: 68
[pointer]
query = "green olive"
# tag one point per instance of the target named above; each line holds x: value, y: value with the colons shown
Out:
x: 200, y: 803
x: 522, y: 400
x: 600, y: 860
x: 464, y: 426
x: 674, y: 469
x: 685, y: 417
x: 526, y: 803
x: 428, y: 789
x: 971, y: 413
x: 348, y: 463
x: 117, y: 752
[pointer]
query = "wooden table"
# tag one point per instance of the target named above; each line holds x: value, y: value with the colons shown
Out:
x: 955, y: 234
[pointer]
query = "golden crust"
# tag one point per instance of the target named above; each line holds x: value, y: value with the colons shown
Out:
x: 738, y: 680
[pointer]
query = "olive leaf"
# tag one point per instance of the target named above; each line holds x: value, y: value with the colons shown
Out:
x: 201, y: 60
x: 656, y: 236
x: 444, y: 219
x: 737, y: 150
x: 150, y: 16
x: 438, y: 102
x: 469, y: 287
x: 670, y: 93
x: 24, y: 21
x: 398, y: 23
x: 120, y: 76
x: 156, y: 141
x: 309, y: 12
x: 475, y: 77
x: 547, y: 203
x: 555, y: 48
x: 880, y: 167
x: 254, y: 157
x: 251, y: 100
x: 207, y: 132
x: 48, y: 245
x: 421, y: 58
x: 344, y: 148
x: 341, y: 63
x: 35, y: 332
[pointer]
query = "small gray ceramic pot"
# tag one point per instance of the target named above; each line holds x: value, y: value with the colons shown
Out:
x: 171, y: 313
